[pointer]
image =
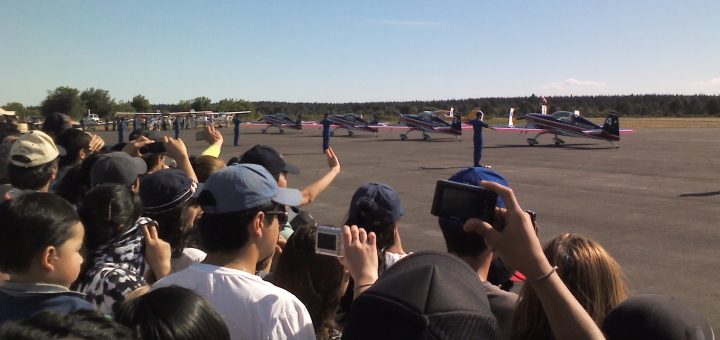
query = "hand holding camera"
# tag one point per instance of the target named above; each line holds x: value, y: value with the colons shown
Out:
x: 517, y: 245
x: 460, y: 202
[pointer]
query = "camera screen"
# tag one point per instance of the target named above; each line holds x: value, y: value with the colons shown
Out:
x: 460, y: 201
x: 326, y: 241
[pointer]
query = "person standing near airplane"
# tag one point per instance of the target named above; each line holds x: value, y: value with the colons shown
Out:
x: 236, y: 130
x: 478, y: 124
x: 326, y: 132
x: 121, y: 130
x: 135, y: 123
x: 176, y: 124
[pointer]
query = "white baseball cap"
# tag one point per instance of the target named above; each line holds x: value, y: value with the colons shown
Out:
x: 34, y: 148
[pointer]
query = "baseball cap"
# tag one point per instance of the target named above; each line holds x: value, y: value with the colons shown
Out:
x: 116, y: 167
x: 32, y: 149
x: 375, y: 205
x: 268, y: 157
x: 165, y: 190
x: 426, y: 295
x: 241, y: 187
x: 657, y: 317
x: 474, y: 175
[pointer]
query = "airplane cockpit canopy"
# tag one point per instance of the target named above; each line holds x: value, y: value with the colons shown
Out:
x: 563, y: 116
x: 282, y: 115
x: 426, y: 116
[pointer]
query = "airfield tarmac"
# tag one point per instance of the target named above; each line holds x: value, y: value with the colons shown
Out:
x: 654, y: 203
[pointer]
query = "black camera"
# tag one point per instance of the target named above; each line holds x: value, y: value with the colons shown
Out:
x: 462, y: 201
x: 329, y: 241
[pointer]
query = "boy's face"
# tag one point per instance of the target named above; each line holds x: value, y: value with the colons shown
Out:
x: 68, y: 259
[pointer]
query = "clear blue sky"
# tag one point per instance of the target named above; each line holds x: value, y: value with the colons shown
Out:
x: 356, y: 51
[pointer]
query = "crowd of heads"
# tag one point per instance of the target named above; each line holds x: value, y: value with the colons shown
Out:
x: 123, y: 244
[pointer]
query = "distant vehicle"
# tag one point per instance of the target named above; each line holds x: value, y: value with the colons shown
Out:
x: 91, y: 119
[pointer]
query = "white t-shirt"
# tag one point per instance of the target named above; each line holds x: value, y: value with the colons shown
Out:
x: 252, y: 308
x: 188, y: 257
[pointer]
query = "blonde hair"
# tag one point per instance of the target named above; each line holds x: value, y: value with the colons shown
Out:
x: 590, y: 273
x: 206, y: 166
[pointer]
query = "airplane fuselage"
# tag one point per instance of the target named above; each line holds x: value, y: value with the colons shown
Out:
x: 416, y: 123
x: 568, y: 125
x: 351, y: 123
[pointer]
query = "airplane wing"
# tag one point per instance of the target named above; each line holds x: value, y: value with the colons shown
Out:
x: 516, y: 129
x: 600, y: 131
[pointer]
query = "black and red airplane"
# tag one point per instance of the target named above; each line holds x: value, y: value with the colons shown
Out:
x: 565, y: 123
x: 350, y: 122
x: 429, y: 121
x: 278, y: 120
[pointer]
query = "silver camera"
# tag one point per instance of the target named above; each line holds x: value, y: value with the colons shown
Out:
x: 329, y: 241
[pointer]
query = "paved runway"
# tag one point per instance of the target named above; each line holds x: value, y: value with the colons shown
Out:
x: 654, y: 203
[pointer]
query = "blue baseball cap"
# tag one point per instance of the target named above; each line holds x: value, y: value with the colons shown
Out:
x: 241, y: 187
x: 474, y: 175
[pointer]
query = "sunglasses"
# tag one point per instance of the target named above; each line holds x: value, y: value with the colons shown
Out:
x: 282, y: 216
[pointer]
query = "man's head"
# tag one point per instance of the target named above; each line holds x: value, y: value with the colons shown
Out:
x: 272, y: 160
x: 55, y: 123
x: 117, y: 168
x: 427, y: 295
x: 76, y: 144
x: 376, y: 207
x: 457, y: 240
x: 33, y: 161
x: 243, y: 205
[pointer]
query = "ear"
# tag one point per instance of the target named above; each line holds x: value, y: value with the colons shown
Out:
x: 82, y: 154
x: 257, y: 225
x: 135, y: 187
x: 48, y: 258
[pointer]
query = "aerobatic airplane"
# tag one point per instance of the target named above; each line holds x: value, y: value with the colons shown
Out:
x: 428, y: 121
x: 351, y: 121
x: 565, y: 123
x: 278, y: 120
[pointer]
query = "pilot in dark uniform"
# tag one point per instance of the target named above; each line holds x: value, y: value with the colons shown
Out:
x: 478, y: 125
x: 236, y: 130
x: 326, y: 132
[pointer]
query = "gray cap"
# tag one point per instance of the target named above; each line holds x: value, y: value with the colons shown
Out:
x: 117, y: 168
x: 241, y: 187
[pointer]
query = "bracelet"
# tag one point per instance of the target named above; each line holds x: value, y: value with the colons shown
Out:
x: 542, y: 277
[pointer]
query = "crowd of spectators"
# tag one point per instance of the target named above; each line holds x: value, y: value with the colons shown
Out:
x: 143, y: 241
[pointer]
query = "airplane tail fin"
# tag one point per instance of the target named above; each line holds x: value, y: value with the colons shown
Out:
x: 510, y: 117
x: 612, y: 124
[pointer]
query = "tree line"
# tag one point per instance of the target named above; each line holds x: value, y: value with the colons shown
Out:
x: 76, y: 103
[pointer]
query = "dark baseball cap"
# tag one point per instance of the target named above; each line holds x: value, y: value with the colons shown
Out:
x: 165, y: 190
x: 56, y: 123
x: 426, y: 295
x: 116, y: 168
x: 270, y: 158
x: 375, y: 205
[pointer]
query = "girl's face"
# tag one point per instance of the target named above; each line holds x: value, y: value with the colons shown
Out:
x: 67, y: 259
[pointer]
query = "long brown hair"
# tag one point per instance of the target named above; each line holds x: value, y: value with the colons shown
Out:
x: 589, y: 272
x: 317, y: 280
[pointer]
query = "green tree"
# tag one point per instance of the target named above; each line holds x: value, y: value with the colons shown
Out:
x: 228, y: 105
x: 19, y: 109
x: 98, y: 101
x: 64, y: 100
x: 201, y: 104
x: 140, y: 103
x: 123, y: 106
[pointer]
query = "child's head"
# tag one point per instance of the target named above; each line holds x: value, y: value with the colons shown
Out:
x: 40, y: 239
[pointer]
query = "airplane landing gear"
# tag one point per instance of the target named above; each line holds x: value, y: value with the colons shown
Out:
x: 532, y: 141
x: 558, y: 141
x: 263, y: 131
x: 426, y: 136
x: 332, y: 133
x: 350, y: 133
x: 282, y: 131
x: 403, y: 136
